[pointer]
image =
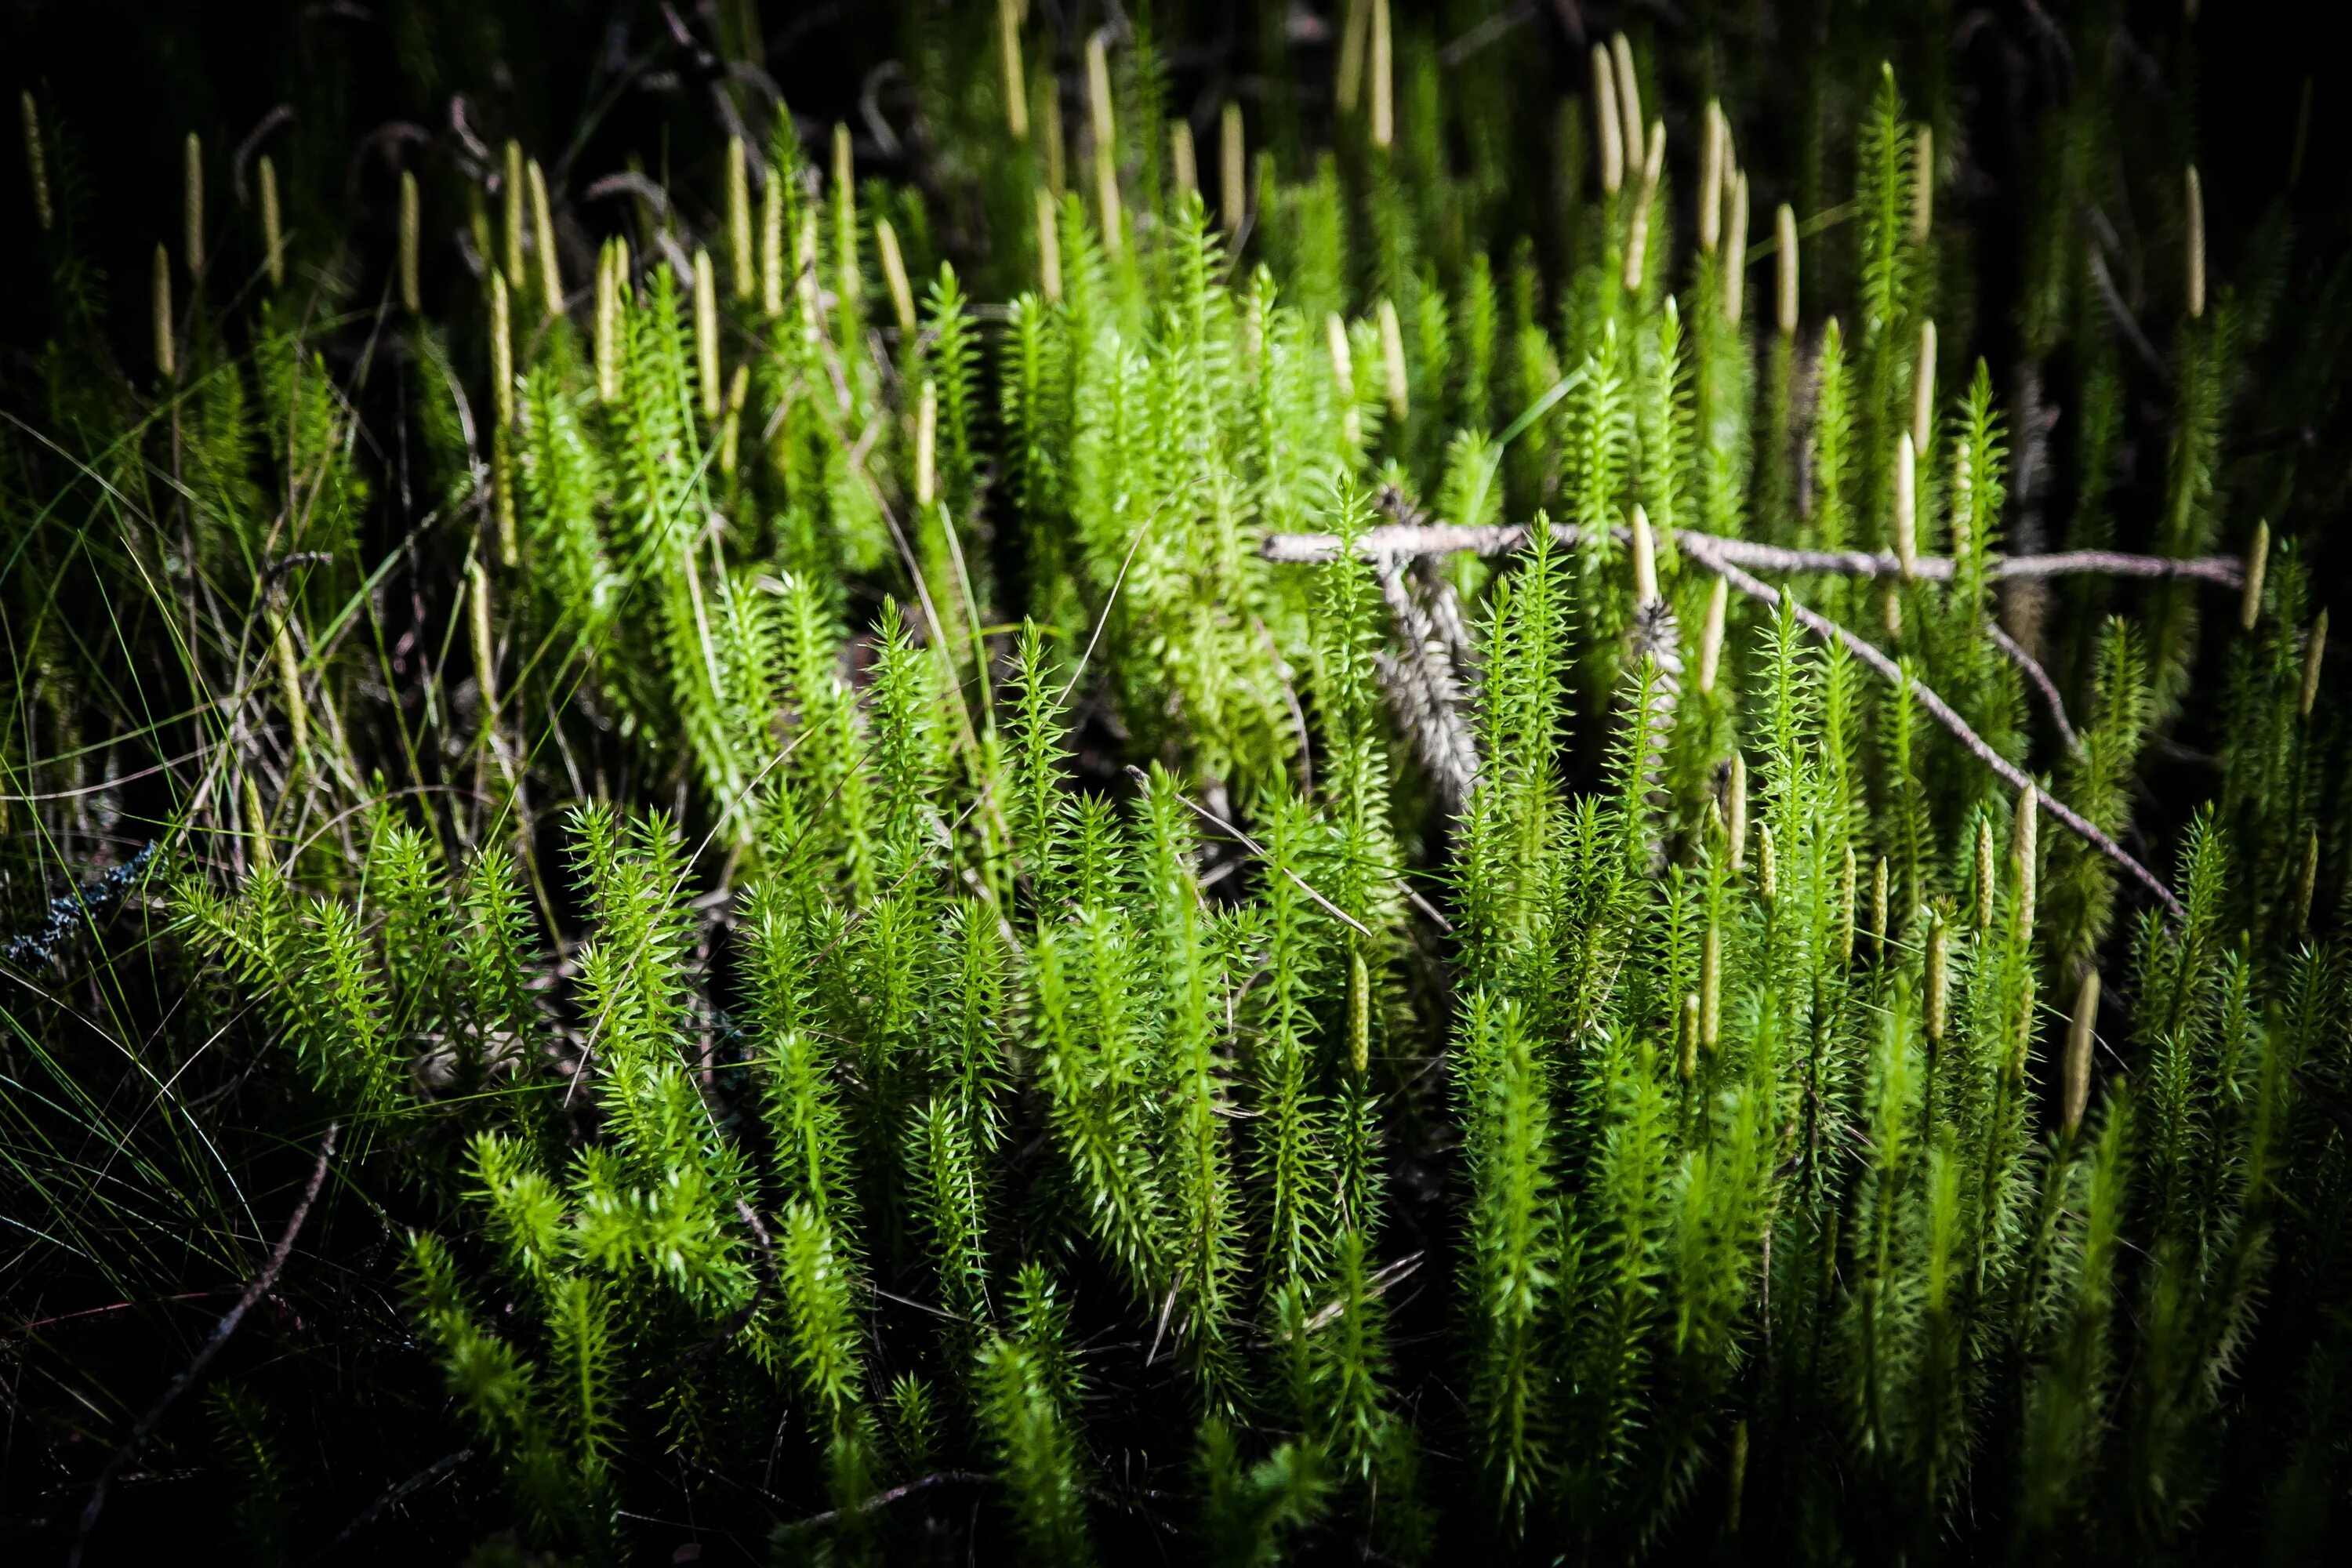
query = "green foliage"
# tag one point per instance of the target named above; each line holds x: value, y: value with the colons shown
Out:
x: 845, y: 985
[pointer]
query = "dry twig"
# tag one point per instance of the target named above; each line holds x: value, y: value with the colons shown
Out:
x: 220, y: 1337
x: 1730, y: 560
x: 1400, y: 540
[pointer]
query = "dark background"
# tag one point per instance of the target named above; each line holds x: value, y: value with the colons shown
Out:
x: 130, y: 80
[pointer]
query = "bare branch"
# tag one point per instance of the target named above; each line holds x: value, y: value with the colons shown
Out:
x: 394, y: 1495
x: 1254, y: 847
x: 1700, y: 548
x: 1398, y: 540
x: 2033, y: 670
x: 1422, y: 688
x: 259, y: 1288
x: 1729, y: 559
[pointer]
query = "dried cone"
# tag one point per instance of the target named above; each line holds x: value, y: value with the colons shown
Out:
x: 2079, y: 1035
x: 512, y: 204
x: 1359, y: 1014
x: 37, y: 164
x: 1710, y: 988
x: 1181, y: 162
x: 927, y: 444
x: 1735, y: 254
x: 2306, y: 882
x: 1607, y: 126
x: 501, y: 350
x: 1232, y: 172
x: 1736, y: 811
x: 1710, y: 642
x: 1049, y: 248
x: 1016, y: 85
x: 894, y: 273
x: 1736, y: 1482
x: 1710, y: 182
x: 1940, y: 979
x: 1098, y: 103
x: 1784, y: 227
x: 1906, y: 523
x: 1984, y: 885
x: 167, y: 349
x: 1392, y: 364
x: 191, y: 204
x: 1637, y: 227
x: 2025, y: 858
x: 1880, y: 913
x: 1629, y: 101
x: 1645, y: 560
x: 706, y: 334
x: 743, y: 272
x: 486, y: 664
x: 2196, y: 246
x: 273, y: 229
x: 411, y: 236
x: 2258, y: 555
x: 1922, y: 389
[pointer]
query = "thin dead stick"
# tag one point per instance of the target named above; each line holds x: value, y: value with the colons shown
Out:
x: 394, y: 1495
x: 2031, y: 669
x: 2124, y: 320
x: 1254, y: 847
x: 1700, y: 548
x: 1378, y: 1285
x: 1391, y: 541
x: 259, y: 1288
x: 1398, y: 540
x: 2226, y: 571
x: 38, y: 1324
x: 1422, y: 686
x: 884, y: 1499
x: 1728, y: 557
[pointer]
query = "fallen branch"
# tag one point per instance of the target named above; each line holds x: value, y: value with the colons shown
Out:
x: 1413, y: 895
x: 212, y: 1347
x: 1729, y: 558
x: 394, y: 1495
x: 1254, y: 847
x: 1423, y: 689
x: 885, y: 1498
x: 1398, y: 540
x: 2031, y: 669
x: 1700, y: 548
